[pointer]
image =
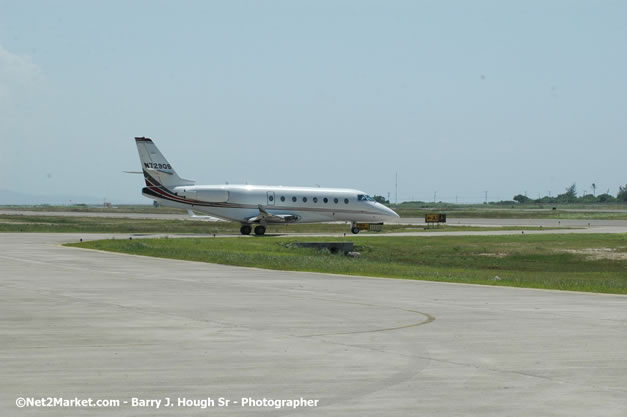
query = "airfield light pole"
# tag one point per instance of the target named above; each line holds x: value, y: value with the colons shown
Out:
x: 486, y: 197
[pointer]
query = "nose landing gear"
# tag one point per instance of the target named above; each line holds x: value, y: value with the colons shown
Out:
x: 371, y: 227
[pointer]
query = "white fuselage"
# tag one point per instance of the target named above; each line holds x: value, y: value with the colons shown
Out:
x: 255, y: 204
x: 242, y: 202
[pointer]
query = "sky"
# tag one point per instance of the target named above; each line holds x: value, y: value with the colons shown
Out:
x: 455, y: 97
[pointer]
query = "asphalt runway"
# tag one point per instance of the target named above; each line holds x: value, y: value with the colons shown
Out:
x: 88, y: 324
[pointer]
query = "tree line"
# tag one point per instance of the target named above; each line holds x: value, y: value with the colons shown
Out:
x: 570, y: 196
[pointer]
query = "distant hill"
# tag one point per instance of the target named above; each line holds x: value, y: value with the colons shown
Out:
x: 8, y: 197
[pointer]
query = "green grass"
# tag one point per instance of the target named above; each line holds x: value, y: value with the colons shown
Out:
x: 512, y: 213
x: 536, y: 261
x: 616, y: 205
x: 82, y: 208
x: 71, y: 224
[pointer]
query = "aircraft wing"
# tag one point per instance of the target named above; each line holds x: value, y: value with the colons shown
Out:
x: 208, y: 218
x: 273, y: 218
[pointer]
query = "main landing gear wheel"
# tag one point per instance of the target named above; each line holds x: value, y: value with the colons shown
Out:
x: 355, y: 230
x: 260, y: 230
x: 245, y: 229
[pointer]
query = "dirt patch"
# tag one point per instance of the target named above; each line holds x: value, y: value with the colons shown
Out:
x: 598, y: 253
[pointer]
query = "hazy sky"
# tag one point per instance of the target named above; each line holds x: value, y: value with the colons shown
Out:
x: 458, y: 97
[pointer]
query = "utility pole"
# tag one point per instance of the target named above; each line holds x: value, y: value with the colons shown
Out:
x: 486, y: 197
x: 396, y: 188
x: 435, y: 193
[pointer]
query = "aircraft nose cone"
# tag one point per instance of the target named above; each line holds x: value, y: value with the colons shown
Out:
x: 392, y: 213
x: 386, y: 211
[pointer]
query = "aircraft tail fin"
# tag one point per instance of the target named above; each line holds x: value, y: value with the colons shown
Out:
x: 157, y: 170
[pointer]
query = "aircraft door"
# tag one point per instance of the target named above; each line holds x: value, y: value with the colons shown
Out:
x: 271, y: 198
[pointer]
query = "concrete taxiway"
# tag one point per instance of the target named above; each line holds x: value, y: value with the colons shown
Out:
x: 455, y: 221
x: 87, y: 324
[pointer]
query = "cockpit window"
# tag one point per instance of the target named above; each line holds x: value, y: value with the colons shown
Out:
x: 364, y: 197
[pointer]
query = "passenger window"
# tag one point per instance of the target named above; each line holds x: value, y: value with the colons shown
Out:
x: 304, y: 199
x: 282, y: 198
x: 315, y: 199
x: 335, y: 200
x: 346, y: 201
x: 326, y: 200
x: 270, y: 198
x: 294, y: 199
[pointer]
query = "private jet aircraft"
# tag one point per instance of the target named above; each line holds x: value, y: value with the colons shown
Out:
x: 258, y: 205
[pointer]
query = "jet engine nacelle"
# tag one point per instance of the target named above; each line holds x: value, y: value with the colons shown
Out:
x: 209, y: 195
